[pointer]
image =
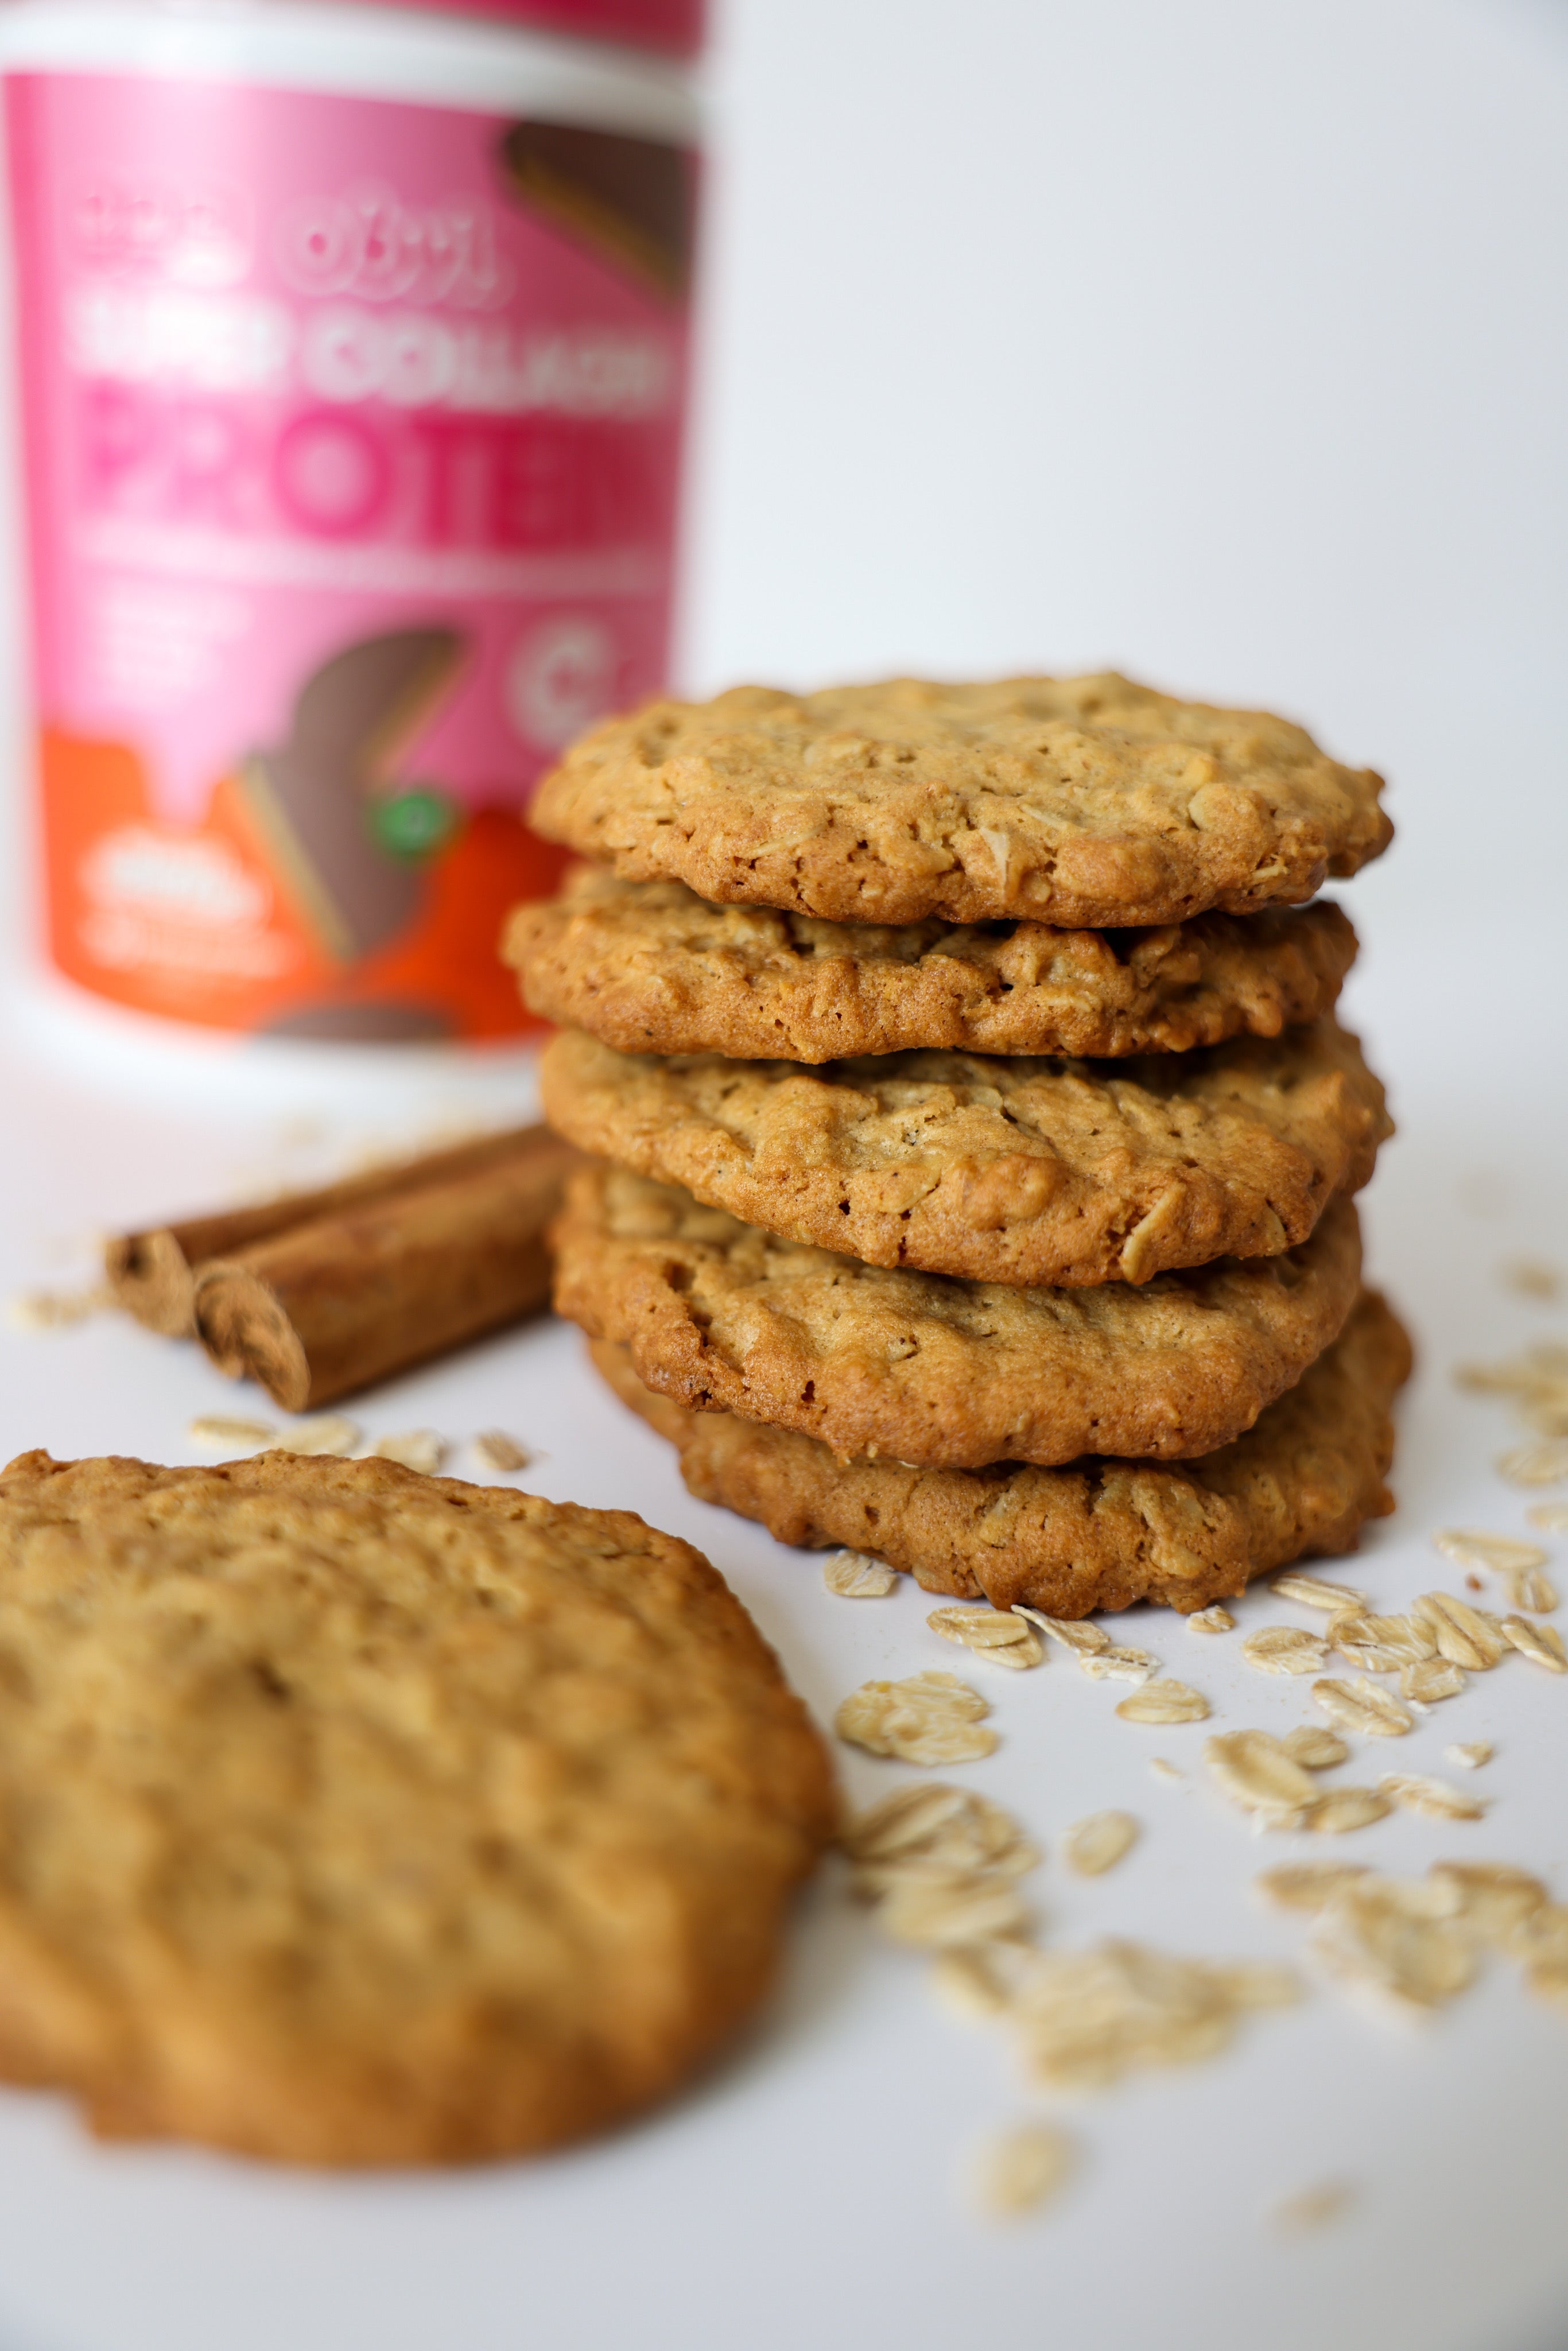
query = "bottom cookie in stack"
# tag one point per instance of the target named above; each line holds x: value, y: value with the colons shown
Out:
x: 1096, y: 1533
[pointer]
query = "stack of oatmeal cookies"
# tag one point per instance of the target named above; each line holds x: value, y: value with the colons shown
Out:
x: 976, y: 1144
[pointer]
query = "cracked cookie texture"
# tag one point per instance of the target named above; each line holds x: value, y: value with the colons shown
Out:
x: 1033, y: 1172
x: 650, y: 967
x: 1085, y: 802
x: 931, y: 1371
x: 1099, y: 1534
x: 352, y: 1816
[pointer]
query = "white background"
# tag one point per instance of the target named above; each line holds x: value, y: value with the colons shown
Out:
x: 1222, y: 340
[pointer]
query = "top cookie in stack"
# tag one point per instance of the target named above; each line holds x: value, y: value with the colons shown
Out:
x: 968, y: 1062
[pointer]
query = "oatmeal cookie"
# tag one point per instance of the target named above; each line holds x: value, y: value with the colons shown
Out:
x: 1098, y: 1535
x: 949, y: 1375
x: 650, y: 967
x: 1084, y: 802
x: 353, y: 1816
x: 1025, y: 1171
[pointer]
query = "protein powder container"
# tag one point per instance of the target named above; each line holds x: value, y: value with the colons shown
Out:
x: 353, y: 353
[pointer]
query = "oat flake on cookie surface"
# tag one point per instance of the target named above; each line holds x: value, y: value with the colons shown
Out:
x: 650, y: 967
x: 952, y: 1374
x: 356, y: 1816
x: 1022, y: 1171
x: 1096, y: 1534
x: 1083, y: 803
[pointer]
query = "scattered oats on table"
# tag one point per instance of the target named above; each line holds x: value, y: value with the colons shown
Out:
x: 856, y: 1575
x: 1551, y: 1518
x: 1498, y: 1554
x: 414, y: 1448
x: 1342, y: 1810
x: 1466, y: 1636
x: 1307, y: 1886
x: 996, y: 1633
x: 1381, y: 1645
x: 1075, y: 1632
x: 1397, y: 1938
x: 1017, y: 2171
x: 1362, y: 1707
x: 55, y: 1310
x: 1532, y: 1276
x: 1253, y: 1770
x: 1098, y: 1842
x: 1429, y: 1680
x: 1284, y: 1649
x: 1164, y: 1702
x: 1417, y: 1793
x: 1472, y: 1753
x: 1311, y: 2208
x: 1545, y: 1464
x: 1496, y: 1901
x: 220, y: 1432
x: 1214, y: 1619
x: 329, y: 1433
x: 926, y: 1719
x: 1113, y: 1663
x: 1316, y: 1748
x: 1527, y: 1588
x: 1315, y: 1591
x: 1542, y: 1644
x: 969, y: 1983
x: 1087, y: 2019
x: 1162, y: 1768
x: 494, y: 1450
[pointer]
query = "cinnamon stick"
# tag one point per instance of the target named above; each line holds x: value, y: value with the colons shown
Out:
x: 153, y: 1273
x: 378, y: 1283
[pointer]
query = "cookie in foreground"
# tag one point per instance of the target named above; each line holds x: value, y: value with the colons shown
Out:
x: 945, y: 1373
x: 1099, y: 1534
x: 359, y: 1817
x: 650, y: 967
x: 1023, y: 1171
x: 1084, y: 802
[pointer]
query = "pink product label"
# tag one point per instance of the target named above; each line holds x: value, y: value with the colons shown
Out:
x: 352, y: 433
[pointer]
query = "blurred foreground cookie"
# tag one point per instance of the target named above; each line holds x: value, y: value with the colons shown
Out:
x: 358, y: 1817
x: 1082, y: 802
x: 949, y: 1374
x: 1034, y: 1172
x: 650, y: 967
x: 1098, y: 1535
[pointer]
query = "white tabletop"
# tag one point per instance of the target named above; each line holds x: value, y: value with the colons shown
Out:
x: 809, y: 2190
